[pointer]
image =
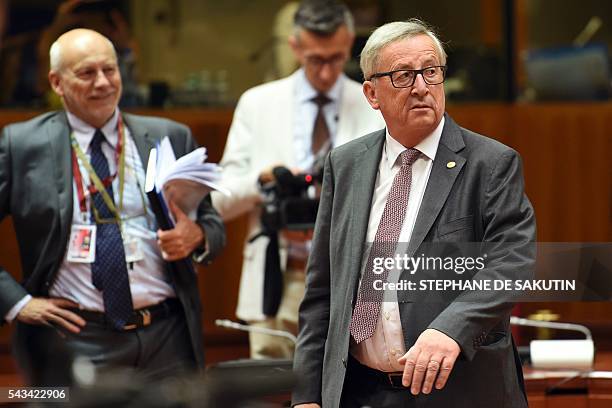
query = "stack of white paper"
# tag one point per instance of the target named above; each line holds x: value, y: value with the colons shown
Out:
x: 185, y: 181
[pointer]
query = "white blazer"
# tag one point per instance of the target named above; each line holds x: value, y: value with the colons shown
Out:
x: 261, y: 135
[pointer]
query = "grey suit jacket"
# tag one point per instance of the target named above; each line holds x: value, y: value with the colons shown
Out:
x: 480, y: 199
x: 36, y: 189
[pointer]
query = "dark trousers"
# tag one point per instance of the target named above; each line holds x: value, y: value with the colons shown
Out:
x: 364, y: 389
x: 154, y: 352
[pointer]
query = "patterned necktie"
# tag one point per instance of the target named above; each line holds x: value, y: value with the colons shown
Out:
x: 320, y: 131
x: 367, y: 307
x: 109, y: 272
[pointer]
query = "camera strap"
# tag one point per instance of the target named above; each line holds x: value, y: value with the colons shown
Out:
x: 273, y: 275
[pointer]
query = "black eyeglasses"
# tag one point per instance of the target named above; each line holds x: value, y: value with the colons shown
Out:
x: 404, y: 78
x: 335, y: 61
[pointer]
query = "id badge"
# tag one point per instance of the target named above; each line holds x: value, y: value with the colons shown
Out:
x: 82, y: 247
x: 133, y: 248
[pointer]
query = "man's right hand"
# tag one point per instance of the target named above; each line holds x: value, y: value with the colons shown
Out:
x: 51, y: 311
x: 307, y: 406
x: 267, y: 174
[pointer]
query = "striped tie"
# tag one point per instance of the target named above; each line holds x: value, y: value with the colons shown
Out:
x: 367, y: 307
x: 320, y: 131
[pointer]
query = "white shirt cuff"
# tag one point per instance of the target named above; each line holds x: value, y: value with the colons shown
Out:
x: 12, y: 314
x: 199, y: 256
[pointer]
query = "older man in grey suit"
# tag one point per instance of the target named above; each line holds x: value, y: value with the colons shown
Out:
x: 94, y: 265
x: 424, y: 180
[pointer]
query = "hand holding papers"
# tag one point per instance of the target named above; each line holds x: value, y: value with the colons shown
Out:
x: 182, y: 240
x: 185, y: 181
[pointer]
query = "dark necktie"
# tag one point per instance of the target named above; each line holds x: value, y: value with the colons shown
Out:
x: 320, y: 131
x: 109, y: 271
x: 367, y: 307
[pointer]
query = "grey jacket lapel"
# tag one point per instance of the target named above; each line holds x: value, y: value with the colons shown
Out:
x: 144, y: 142
x: 440, y: 182
x: 364, y: 177
x: 58, y: 133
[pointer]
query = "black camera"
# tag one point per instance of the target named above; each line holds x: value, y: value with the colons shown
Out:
x: 291, y: 200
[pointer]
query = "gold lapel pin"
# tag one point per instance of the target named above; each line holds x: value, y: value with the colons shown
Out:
x: 450, y: 164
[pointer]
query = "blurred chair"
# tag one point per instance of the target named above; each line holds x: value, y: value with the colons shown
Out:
x: 569, y: 73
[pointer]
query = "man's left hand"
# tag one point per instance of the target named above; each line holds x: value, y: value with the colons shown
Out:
x: 430, y: 359
x: 183, y: 239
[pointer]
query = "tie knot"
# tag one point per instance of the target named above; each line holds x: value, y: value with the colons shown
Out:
x: 409, y: 156
x: 321, y: 100
x: 98, y: 138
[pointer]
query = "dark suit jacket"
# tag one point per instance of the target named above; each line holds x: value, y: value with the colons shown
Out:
x: 36, y: 189
x: 480, y: 199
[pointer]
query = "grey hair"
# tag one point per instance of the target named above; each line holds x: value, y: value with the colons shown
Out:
x: 56, y: 62
x: 390, y: 33
x: 322, y: 17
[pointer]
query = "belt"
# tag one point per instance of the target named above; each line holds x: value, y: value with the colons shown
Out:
x: 387, y: 379
x: 139, y: 318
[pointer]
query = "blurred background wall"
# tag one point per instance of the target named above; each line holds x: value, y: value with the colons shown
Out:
x: 198, y: 52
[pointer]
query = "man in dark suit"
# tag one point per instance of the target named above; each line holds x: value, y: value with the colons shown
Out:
x: 423, y: 181
x: 95, y: 267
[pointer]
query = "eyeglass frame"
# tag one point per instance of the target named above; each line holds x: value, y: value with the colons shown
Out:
x: 416, y: 73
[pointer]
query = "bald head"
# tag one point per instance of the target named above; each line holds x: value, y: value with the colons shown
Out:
x: 74, y: 41
x: 85, y: 74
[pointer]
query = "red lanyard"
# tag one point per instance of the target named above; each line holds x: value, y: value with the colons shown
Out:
x: 78, y: 177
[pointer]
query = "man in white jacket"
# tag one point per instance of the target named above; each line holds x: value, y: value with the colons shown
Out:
x: 291, y: 122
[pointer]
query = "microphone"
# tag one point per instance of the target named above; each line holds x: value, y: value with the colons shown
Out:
x: 263, y: 330
x: 547, y: 354
x: 519, y: 321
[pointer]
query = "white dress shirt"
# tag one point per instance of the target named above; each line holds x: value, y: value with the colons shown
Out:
x: 148, y: 282
x: 306, y: 113
x: 386, y: 346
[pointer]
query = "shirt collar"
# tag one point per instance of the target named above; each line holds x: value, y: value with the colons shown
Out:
x: 84, y: 132
x: 427, y: 146
x: 305, y: 91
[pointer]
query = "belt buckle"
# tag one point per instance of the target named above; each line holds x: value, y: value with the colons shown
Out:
x: 146, y: 317
x: 146, y: 320
x: 395, y: 380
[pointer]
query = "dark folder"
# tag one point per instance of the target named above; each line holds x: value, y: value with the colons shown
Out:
x: 160, y: 208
